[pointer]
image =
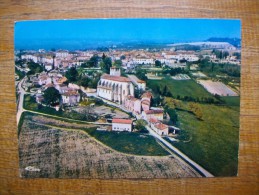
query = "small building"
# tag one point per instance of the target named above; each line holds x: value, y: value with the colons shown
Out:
x: 70, y: 98
x: 158, y: 114
x: 160, y: 128
x: 146, y: 100
x: 133, y: 104
x: 121, y: 124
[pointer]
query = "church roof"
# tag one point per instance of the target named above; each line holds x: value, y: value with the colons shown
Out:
x: 115, y: 78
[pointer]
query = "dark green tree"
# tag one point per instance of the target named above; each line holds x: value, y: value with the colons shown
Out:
x: 107, y: 64
x: 157, y: 63
x: 51, y: 96
x: 72, y: 74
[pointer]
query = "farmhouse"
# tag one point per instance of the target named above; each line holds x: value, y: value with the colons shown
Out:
x: 160, y: 128
x: 121, y: 124
x: 158, y: 114
x: 114, y: 87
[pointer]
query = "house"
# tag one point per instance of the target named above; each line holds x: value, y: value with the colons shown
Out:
x: 146, y: 100
x: 44, y: 79
x: 133, y: 104
x: 160, y: 128
x: 70, y: 97
x: 158, y: 114
x: 121, y: 124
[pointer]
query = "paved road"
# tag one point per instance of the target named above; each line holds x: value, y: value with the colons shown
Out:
x: 20, y: 109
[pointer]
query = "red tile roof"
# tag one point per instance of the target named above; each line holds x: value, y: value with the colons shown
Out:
x: 161, y: 126
x: 115, y: 78
x: 122, y: 121
x: 154, y: 111
x: 153, y: 120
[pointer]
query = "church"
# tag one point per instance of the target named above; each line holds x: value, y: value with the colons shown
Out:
x: 115, y: 87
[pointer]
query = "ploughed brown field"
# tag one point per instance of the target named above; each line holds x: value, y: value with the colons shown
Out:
x: 57, y: 149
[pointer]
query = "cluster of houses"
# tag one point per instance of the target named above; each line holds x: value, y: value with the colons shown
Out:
x: 69, y: 93
x: 120, y: 90
x: 66, y: 59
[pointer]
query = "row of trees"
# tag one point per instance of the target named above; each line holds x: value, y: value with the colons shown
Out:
x: 210, y: 67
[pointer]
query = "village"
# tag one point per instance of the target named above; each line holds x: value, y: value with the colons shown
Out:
x: 113, y: 88
x: 122, y: 90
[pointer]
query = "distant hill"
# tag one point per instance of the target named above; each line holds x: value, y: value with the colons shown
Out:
x: 233, y: 41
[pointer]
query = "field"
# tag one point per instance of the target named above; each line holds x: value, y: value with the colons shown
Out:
x: 217, y: 88
x: 179, y: 87
x: 130, y: 143
x: 58, y: 149
x: 213, y: 141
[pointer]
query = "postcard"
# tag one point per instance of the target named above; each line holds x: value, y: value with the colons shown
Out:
x: 128, y: 98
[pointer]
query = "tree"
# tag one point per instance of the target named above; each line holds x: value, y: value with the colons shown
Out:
x: 157, y: 63
x: 141, y: 74
x: 196, y: 110
x: 140, y: 125
x: 123, y: 57
x: 93, y: 62
x: 51, y: 96
x: 84, y: 81
x: 107, y: 64
x: 71, y: 74
x: 118, y: 63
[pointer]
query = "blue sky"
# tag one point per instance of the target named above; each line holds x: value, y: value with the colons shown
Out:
x: 78, y: 34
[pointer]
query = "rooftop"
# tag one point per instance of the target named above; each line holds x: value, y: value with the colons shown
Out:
x: 154, y: 111
x: 115, y: 78
x: 161, y: 126
x: 122, y: 121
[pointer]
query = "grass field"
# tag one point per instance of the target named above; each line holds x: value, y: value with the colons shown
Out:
x: 233, y: 101
x: 179, y: 87
x: 213, y: 141
x: 130, y: 143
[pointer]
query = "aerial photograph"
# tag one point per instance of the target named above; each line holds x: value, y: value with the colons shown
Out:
x: 128, y: 98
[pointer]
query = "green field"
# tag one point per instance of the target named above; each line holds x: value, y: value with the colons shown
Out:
x: 130, y: 143
x: 213, y: 141
x: 179, y: 88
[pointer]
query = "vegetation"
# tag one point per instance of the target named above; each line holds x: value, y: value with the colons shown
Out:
x: 175, y: 71
x: 34, y: 68
x: 72, y: 75
x: 19, y: 73
x: 51, y: 96
x: 31, y: 104
x: 184, y: 89
x: 158, y: 63
x: 106, y: 64
x: 213, y: 141
x: 140, y: 126
x: 93, y: 62
x: 212, y: 69
x: 141, y: 74
x: 130, y: 143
